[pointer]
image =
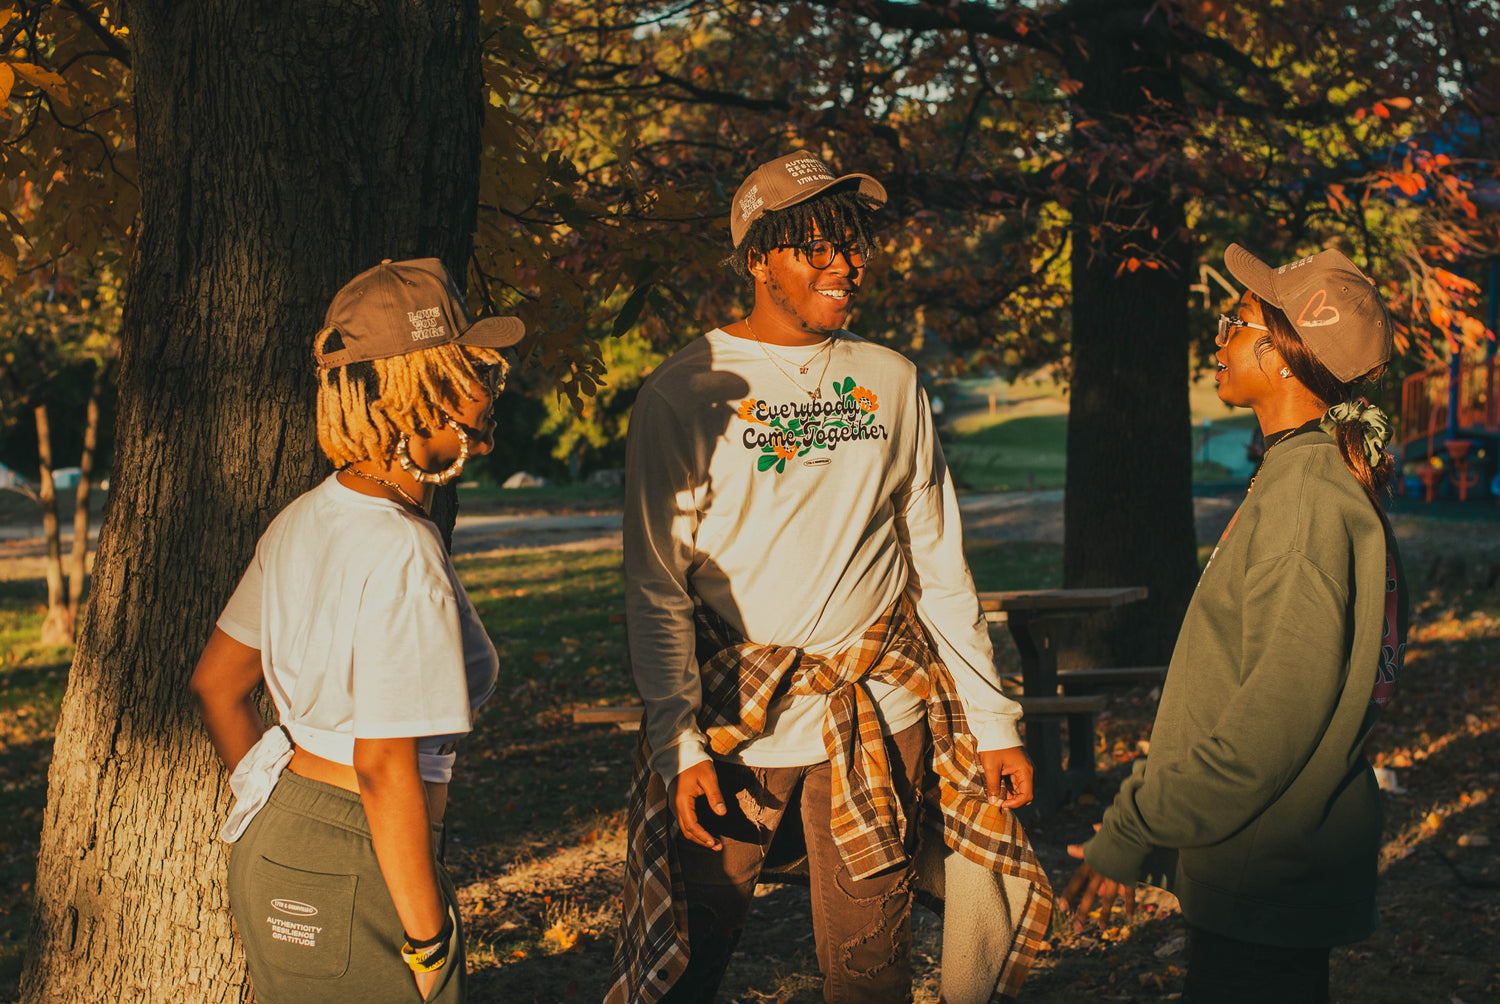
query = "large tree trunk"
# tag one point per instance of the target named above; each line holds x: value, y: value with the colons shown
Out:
x: 1128, y: 512
x: 57, y: 627
x: 283, y: 147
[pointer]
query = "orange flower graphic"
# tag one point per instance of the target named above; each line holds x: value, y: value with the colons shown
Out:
x: 865, y: 398
x: 786, y: 451
x: 747, y: 410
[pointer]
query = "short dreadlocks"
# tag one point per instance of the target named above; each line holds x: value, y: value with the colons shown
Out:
x: 838, y: 213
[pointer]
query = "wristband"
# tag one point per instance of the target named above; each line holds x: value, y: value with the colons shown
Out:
x: 423, y: 955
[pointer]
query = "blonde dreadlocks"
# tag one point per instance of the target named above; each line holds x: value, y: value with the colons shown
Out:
x: 365, y: 408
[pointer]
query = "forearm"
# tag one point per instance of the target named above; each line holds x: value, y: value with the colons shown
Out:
x: 223, y: 687
x: 232, y: 727
x: 395, y: 802
x: 942, y: 591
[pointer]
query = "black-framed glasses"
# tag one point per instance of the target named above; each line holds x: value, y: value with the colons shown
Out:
x: 1227, y: 325
x: 821, y: 252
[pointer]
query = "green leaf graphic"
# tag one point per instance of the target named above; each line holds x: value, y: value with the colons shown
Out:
x: 766, y: 462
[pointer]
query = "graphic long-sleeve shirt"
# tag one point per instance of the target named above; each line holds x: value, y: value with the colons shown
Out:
x: 798, y: 521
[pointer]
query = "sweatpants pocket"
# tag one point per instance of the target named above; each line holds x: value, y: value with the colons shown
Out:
x: 302, y: 921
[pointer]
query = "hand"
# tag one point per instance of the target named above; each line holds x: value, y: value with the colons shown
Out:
x: 427, y: 982
x: 1088, y: 887
x: 1007, y: 768
x: 699, y: 779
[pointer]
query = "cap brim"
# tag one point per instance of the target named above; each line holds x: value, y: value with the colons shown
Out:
x: 493, y: 333
x: 1254, y: 274
x: 868, y: 186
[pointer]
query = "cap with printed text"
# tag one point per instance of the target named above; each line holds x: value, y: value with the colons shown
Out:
x: 786, y: 181
x: 401, y: 306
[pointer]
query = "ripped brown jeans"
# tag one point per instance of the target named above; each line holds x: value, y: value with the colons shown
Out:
x: 862, y: 926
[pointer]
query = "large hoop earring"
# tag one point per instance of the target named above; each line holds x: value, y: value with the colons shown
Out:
x: 403, y: 457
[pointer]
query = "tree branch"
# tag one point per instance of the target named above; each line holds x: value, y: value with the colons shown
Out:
x: 117, y: 49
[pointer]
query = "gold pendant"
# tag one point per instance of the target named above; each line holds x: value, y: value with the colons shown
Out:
x: 803, y: 370
x: 815, y: 394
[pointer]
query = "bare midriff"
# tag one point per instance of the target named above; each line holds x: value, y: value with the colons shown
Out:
x: 316, y: 768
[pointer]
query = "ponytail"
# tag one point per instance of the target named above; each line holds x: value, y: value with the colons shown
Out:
x: 1360, y: 429
x: 1362, y: 432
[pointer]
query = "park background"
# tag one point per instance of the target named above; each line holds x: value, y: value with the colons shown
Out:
x: 186, y: 188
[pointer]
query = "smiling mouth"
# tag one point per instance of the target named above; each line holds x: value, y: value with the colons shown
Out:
x: 842, y: 295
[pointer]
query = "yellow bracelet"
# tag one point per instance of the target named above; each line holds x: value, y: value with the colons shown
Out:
x: 433, y: 954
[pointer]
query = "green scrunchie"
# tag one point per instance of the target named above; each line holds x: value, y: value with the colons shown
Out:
x: 1377, y: 426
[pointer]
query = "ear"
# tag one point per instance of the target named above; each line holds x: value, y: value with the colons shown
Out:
x: 756, y: 264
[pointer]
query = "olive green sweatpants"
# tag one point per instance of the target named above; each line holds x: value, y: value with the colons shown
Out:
x: 312, y: 908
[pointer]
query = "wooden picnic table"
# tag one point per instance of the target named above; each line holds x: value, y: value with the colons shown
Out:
x: 1033, y: 616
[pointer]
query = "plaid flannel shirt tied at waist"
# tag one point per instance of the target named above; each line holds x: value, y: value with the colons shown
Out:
x: 741, y: 679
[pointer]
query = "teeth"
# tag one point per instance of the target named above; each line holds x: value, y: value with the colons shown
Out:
x: 835, y: 294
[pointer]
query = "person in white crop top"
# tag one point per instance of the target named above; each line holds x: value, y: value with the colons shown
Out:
x: 353, y: 617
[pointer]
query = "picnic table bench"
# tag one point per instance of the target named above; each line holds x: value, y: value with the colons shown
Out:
x: 1048, y: 698
x: 1033, y: 617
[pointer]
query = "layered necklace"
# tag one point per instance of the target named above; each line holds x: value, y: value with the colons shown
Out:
x: 389, y: 484
x: 816, y: 393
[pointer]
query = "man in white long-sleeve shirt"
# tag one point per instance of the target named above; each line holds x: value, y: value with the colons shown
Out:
x: 803, y: 626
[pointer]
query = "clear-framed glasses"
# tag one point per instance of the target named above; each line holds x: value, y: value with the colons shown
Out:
x: 821, y: 252
x: 1227, y: 325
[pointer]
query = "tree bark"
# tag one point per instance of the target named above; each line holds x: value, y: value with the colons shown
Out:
x: 78, y: 560
x: 57, y: 627
x: 283, y: 147
x: 1128, y: 513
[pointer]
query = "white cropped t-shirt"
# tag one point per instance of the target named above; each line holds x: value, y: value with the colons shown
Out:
x: 363, y: 628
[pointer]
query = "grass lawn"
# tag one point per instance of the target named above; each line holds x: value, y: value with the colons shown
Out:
x: 1000, y: 453
x: 1004, y: 453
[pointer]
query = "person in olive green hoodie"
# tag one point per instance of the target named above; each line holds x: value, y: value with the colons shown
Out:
x: 1256, y: 805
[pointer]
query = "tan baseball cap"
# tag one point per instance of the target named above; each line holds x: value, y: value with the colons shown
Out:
x: 786, y: 181
x: 400, y: 306
x: 1336, y: 310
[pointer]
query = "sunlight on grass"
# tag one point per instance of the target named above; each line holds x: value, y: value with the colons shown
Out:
x: 999, y: 453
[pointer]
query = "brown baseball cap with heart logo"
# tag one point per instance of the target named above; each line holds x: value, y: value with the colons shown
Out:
x: 1336, y: 310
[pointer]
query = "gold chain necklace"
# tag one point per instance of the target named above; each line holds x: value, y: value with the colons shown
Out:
x: 1263, y: 458
x: 816, y: 393
x: 389, y: 484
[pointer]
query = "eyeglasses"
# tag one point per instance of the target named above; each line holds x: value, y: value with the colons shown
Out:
x: 820, y: 253
x: 1227, y: 325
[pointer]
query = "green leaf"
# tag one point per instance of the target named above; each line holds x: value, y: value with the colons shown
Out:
x: 766, y: 462
x: 843, y: 388
x: 781, y: 467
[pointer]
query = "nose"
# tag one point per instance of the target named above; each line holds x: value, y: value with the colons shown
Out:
x: 847, y: 261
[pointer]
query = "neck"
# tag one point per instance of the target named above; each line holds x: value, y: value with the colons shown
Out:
x: 773, y: 327
x: 1277, y: 416
x: 424, y: 494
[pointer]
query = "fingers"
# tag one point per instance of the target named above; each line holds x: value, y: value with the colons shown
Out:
x: 994, y: 780
x: 1075, y: 886
x: 1129, y: 895
x: 709, y: 785
x: 1075, y: 851
x: 1019, y: 776
x: 695, y: 781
